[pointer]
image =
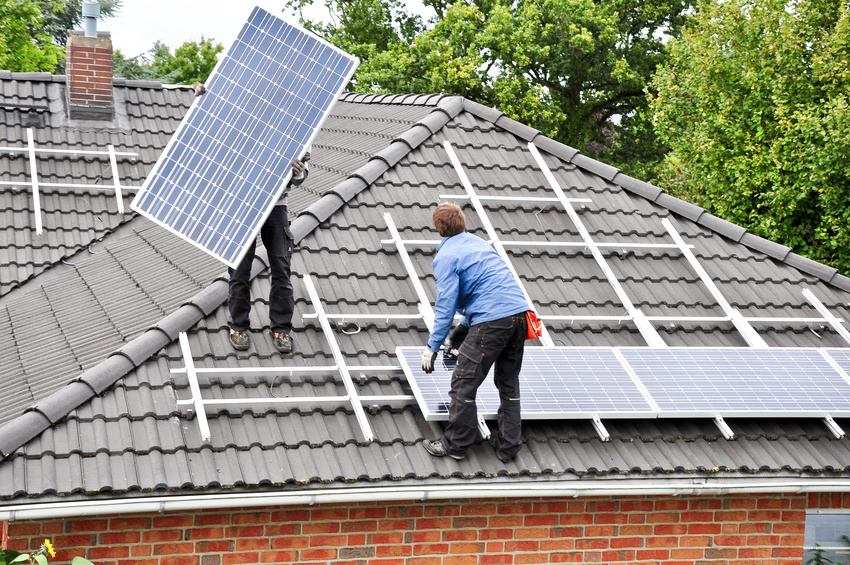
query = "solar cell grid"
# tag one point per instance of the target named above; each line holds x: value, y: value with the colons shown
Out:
x: 554, y: 382
x: 841, y: 357
x: 229, y: 160
x: 566, y: 382
x: 738, y: 381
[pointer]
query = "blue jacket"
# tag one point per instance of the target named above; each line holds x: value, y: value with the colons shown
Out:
x: 473, y: 280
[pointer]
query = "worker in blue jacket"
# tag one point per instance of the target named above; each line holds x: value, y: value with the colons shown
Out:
x: 474, y: 280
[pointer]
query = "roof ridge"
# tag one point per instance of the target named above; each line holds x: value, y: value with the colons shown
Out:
x: 92, y: 382
x: 46, y: 76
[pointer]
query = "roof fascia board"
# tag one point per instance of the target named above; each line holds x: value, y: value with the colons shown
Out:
x: 396, y: 493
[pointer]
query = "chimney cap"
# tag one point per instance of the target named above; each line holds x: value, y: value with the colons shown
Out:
x: 91, y: 9
x: 91, y: 12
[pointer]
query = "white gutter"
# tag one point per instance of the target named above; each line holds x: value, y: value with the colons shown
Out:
x: 389, y: 494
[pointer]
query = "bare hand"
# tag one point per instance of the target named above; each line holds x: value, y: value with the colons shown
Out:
x: 297, y: 167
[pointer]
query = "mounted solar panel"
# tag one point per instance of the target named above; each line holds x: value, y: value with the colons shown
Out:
x: 841, y: 357
x: 230, y: 159
x: 743, y: 382
x: 555, y: 382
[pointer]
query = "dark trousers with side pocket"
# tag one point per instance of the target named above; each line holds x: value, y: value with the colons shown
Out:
x: 501, y: 343
x: 277, y: 240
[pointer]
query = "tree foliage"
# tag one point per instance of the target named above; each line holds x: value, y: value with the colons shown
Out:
x: 24, y: 46
x: 191, y: 63
x: 574, y: 69
x: 132, y: 68
x: 754, y: 103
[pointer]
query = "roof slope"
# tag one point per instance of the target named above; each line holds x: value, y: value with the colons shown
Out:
x: 117, y: 428
x: 72, y: 166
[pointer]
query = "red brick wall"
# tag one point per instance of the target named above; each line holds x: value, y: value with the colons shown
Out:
x: 764, y: 529
x: 89, y: 70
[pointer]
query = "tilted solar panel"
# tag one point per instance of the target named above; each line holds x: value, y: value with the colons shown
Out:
x: 559, y: 382
x: 230, y: 159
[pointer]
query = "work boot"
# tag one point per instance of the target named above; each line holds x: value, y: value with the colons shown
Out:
x: 437, y: 449
x: 282, y: 342
x: 239, y: 339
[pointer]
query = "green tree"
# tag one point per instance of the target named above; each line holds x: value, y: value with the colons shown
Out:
x: 191, y: 62
x: 363, y: 27
x: 754, y: 103
x: 23, y: 46
x: 575, y: 69
x: 132, y: 68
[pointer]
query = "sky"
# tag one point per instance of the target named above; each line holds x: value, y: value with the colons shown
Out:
x: 141, y: 23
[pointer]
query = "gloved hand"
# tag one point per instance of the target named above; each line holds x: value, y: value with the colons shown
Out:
x: 428, y: 361
x: 457, y: 335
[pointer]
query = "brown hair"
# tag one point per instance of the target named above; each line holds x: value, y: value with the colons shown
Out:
x: 449, y: 219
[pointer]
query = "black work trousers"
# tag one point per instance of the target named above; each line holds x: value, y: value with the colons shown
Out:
x: 277, y: 240
x: 500, y: 342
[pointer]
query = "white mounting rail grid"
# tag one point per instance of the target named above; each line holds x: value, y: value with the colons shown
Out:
x: 199, y: 406
x: 31, y: 150
x: 645, y: 324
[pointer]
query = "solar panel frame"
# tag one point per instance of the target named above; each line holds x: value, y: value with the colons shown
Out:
x: 229, y: 160
x: 608, y: 392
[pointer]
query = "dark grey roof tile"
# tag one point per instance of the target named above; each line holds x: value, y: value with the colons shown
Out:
x: 841, y: 281
x: 638, y: 187
x: 17, y: 432
x: 520, y: 130
x: 415, y: 136
x: 104, y: 374
x: 140, y: 349
x: 56, y: 406
x: 819, y: 270
x: 722, y: 227
x: 556, y: 149
x: 451, y: 105
x: 486, y: 113
x: 680, y: 207
x: 434, y: 121
x: 606, y: 172
x: 765, y: 246
x: 393, y: 153
x: 371, y: 171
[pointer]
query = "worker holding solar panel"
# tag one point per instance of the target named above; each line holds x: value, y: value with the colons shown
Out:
x: 474, y: 280
x: 277, y: 239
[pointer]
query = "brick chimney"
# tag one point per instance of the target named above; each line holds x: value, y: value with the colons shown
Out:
x: 88, y: 69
